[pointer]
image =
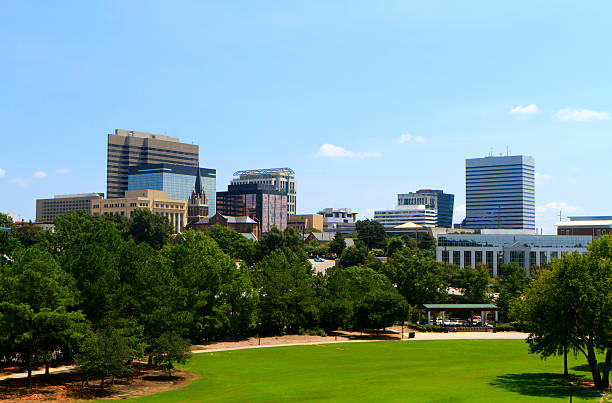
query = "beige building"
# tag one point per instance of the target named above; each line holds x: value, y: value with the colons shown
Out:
x: 48, y: 209
x: 153, y: 200
x: 129, y: 148
x: 304, y: 223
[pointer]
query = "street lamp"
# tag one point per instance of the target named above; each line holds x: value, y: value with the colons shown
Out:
x: 571, y: 384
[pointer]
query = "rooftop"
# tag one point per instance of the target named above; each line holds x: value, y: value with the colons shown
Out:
x: 460, y: 307
x: 266, y: 171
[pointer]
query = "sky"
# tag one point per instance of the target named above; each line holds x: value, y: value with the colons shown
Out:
x: 364, y: 100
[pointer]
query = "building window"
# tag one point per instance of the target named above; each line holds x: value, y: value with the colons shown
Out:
x: 445, y: 256
x: 542, y: 258
x: 532, y: 258
x: 477, y: 257
x: 554, y: 255
x: 489, y: 254
x: 457, y: 257
x: 517, y: 257
x: 467, y: 258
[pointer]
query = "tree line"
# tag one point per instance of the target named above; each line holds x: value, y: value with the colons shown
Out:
x: 105, y: 291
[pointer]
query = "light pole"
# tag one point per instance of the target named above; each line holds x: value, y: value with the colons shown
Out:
x: 571, y: 384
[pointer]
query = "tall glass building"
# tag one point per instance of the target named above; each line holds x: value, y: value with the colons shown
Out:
x: 177, y: 180
x: 500, y: 192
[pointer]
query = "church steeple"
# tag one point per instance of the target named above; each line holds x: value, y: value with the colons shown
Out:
x: 198, y: 183
x: 197, y: 207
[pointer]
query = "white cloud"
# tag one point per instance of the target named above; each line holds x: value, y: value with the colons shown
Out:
x: 332, y: 151
x: 40, y: 174
x: 580, y: 115
x: 21, y: 182
x: 519, y: 110
x: 556, y: 207
x: 541, y: 178
x: 2, y: 172
x: 405, y: 138
x: 62, y: 171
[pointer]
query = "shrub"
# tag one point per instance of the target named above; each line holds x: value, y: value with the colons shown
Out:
x: 428, y: 328
x: 504, y: 328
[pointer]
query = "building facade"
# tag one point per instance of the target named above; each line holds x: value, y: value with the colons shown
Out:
x: 177, y: 180
x: 281, y: 179
x: 304, y: 223
x: 48, y: 209
x: 467, y: 250
x: 403, y: 214
x: 595, y: 226
x: 242, y: 225
x: 128, y: 148
x: 442, y: 203
x: 338, y: 220
x: 154, y: 200
x: 500, y: 192
x: 263, y: 203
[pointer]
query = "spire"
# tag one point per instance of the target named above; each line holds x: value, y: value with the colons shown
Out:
x: 198, y: 183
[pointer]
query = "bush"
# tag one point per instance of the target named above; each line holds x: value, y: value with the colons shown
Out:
x: 314, y: 332
x: 519, y: 326
x: 504, y: 328
x: 428, y: 328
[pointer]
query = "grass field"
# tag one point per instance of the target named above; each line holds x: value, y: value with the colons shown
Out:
x: 418, y: 371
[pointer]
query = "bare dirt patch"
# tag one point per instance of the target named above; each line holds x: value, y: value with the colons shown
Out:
x: 67, y: 386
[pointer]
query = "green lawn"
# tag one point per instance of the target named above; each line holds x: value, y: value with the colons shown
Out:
x: 419, y: 371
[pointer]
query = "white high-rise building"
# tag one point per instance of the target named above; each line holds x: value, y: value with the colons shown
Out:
x: 419, y: 214
x: 500, y: 192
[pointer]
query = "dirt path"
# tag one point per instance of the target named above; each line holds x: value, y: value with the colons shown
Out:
x: 292, y: 340
x: 37, y: 372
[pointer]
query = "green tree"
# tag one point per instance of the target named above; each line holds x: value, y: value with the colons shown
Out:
x: 104, y: 353
x: 354, y: 255
x: 9, y: 243
x: 419, y: 279
x: 153, y: 229
x: 233, y: 243
x: 371, y: 233
x: 171, y: 348
x: 36, y: 301
x: 570, y: 306
x: 340, y: 289
x: 379, y: 309
x: 393, y: 245
x: 337, y: 244
x: 475, y: 283
x: 284, y: 279
x: 511, y: 281
x: 219, y: 294
x: 427, y: 242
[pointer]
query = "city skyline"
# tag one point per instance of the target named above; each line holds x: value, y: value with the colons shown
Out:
x: 362, y: 101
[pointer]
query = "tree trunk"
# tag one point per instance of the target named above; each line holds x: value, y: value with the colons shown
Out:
x: 592, y: 360
x: 30, y: 366
x: 169, y: 372
x: 46, y: 369
x: 102, y: 382
x: 605, y: 380
x: 565, y: 372
x: 150, y: 359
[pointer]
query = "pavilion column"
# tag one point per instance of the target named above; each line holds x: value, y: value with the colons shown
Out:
x: 428, y: 318
x: 496, y: 320
x: 482, y: 317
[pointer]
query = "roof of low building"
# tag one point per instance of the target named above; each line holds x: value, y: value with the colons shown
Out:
x: 408, y: 225
x: 460, y: 307
x: 585, y: 223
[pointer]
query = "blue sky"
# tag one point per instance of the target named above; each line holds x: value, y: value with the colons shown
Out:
x: 363, y: 100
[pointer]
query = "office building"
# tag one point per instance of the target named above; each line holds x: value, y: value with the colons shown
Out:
x: 177, y: 180
x: 129, y: 148
x: 419, y: 215
x: 281, y: 179
x: 262, y: 203
x: 48, y: 209
x: 437, y: 200
x: 338, y: 220
x: 467, y: 250
x: 304, y: 223
x: 500, y: 192
x: 595, y: 226
x: 156, y: 201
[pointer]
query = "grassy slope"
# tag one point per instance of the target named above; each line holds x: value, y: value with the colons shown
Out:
x: 420, y: 371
